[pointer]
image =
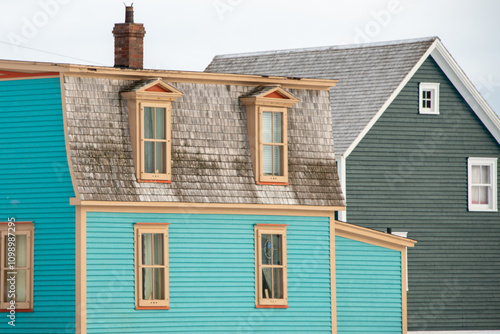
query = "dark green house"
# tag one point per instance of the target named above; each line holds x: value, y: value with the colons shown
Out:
x: 417, y: 149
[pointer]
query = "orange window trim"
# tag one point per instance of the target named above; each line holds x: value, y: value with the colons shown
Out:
x: 154, y: 181
x: 274, y: 183
x: 271, y: 306
x: 152, y: 224
x: 280, y: 225
x: 152, y: 307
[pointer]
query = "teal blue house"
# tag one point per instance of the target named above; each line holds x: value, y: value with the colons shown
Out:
x: 417, y: 151
x: 153, y: 201
x: 185, y: 237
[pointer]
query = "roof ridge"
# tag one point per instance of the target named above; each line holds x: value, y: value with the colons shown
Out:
x: 331, y: 47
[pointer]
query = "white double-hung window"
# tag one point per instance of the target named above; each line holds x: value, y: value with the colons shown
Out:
x: 483, y: 188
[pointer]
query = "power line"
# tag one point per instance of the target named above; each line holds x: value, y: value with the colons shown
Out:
x: 52, y: 53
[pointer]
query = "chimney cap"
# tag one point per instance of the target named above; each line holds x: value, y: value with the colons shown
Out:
x: 129, y: 13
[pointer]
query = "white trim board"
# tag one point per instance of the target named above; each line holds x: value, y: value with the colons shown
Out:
x: 458, y: 332
x: 457, y: 77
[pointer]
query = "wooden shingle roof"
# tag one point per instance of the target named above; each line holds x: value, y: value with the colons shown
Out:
x: 210, y: 148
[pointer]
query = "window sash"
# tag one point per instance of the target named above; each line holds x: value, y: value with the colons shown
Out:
x: 271, y: 268
x: 273, y: 148
x: 151, y: 266
x: 482, y: 184
x: 428, y: 98
x: 24, y: 270
x: 155, y: 141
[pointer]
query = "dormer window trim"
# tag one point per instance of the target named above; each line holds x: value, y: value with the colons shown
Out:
x: 267, y: 117
x: 151, y: 98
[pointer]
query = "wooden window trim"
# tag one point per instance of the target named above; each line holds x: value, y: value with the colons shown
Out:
x: 167, y: 176
x: 24, y: 228
x: 434, y: 87
x: 273, y: 179
x: 492, y: 163
x: 157, y: 94
x: 140, y: 228
x: 260, y: 302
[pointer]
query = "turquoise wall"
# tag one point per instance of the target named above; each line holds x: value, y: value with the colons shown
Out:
x: 212, y: 276
x: 368, y: 288
x: 35, y: 185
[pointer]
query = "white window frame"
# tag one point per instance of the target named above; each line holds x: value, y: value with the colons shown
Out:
x: 434, y: 88
x: 492, y: 163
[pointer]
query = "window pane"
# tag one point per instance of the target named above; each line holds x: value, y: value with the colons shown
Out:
x: 161, y: 164
x: 277, y: 283
x: 266, y: 249
x: 428, y: 104
x: 147, y: 282
x: 159, y: 287
x: 21, y: 249
x: 277, y: 249
x: 267, y: 127
x: 158, y: 248
x: 160, y: 123
x: 485, y: 174
x: 266, y: 282
x: 475, y: 195
x: 147, y: 248
x: 149, y: 157
x: 6, y: 286
x: 277, y: 137
x: 277, y: 160
x: 148, y: 122
x: 475, y: 174
x: 483, y: 195
x: 21, y: 285
x: 429, y: 94
x: 267, y: 159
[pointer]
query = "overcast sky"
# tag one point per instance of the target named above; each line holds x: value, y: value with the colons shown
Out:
x: 186, y: 34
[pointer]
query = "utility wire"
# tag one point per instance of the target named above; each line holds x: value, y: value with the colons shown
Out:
x: 52, y: 53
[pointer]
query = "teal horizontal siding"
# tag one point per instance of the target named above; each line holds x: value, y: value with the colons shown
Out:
x: 36, y: 186
x: 212, y: 275
x: 410, y: 173
x: 368, y: 288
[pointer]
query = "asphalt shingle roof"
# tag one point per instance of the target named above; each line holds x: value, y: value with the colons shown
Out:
x: 368, y: 74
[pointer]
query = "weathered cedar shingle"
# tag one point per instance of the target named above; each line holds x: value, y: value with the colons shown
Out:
x: 210, y: 148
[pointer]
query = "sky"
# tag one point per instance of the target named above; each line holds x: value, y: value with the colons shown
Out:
x: 187, y: 34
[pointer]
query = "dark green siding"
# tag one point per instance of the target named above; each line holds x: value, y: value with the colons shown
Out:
x: 410, y: 173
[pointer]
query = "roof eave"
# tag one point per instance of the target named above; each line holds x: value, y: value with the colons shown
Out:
x: 171, y: 76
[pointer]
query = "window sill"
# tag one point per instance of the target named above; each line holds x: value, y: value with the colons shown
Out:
x: 152, y: 307
x: 271, y: 306
x: 154, y: 181
x: 17, y: 310
x: 273, y: 183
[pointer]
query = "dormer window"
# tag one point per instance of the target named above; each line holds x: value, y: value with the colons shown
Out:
x: 267, y: 109
x: 149, y: 104
x: 429, y: 98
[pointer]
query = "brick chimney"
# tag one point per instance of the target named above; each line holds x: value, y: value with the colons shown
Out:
x: 129, y: 41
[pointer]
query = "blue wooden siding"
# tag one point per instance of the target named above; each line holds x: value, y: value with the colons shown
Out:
x: 36, y: 186
x: 212, y: 274
x: 410, y: 173
x: 368, y: 288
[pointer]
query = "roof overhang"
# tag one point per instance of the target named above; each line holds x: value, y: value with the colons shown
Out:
x: 169, y: 76
x: 373, y: 237
x: 457, y: 77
